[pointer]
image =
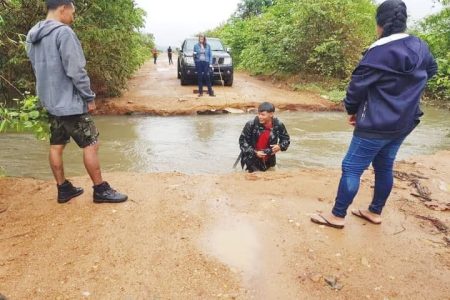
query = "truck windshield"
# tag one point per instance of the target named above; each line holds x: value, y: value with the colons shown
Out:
x: 216, y: 45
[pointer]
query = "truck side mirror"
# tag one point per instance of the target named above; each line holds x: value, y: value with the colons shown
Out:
x: 228, y: 50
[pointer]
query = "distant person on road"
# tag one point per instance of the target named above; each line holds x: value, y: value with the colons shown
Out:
x: 169, y: 54
x: 203, y: 62
x: 155, y: 55
x: 64, y: 90
x: 383, y: 105
x: 261, y: 139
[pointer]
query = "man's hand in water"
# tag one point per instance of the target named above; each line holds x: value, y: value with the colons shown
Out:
x: 91, y: 106
x: 260, y: 154
x: 275, y: 148
x: 352, y: 120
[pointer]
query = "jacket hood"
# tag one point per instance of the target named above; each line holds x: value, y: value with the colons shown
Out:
x: 400, y: 54
x: 42, y: 29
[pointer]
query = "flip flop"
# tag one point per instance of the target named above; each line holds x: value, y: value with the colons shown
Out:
x: 326, y: 222
x: 359, y: 214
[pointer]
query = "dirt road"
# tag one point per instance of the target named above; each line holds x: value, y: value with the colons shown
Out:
x: 235, y: 236
x: 156, y: 90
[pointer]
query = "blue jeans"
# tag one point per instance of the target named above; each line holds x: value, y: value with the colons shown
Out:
x: 203, y: 73
x: 362, y: 151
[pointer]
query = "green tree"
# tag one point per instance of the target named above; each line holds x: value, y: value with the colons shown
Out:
x: 109, y: 33
x: 321, y: 37
x: 16, y: 18
x: 26, y: 116
x: 251, y: 8
x: 436, y: 31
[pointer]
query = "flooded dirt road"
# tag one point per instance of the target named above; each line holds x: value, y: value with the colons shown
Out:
x: 208, y: 144
x: 235, y: 236
x: 156, y: 90
x: 209, y: 235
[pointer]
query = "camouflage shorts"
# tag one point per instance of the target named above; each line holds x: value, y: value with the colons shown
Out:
x: 80, y: 128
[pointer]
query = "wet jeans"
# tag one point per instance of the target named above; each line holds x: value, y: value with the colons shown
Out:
x: 203, y: 73
x: 362, y: 151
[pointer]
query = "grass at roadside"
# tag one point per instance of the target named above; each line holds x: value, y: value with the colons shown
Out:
x: 332, y: 93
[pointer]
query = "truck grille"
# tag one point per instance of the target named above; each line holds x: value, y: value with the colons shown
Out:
x: 221, y: 59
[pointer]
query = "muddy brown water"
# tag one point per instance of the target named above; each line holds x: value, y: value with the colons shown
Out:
x: 208, y: 144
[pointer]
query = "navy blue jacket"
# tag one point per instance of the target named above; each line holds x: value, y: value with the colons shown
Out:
x: 387, y: 85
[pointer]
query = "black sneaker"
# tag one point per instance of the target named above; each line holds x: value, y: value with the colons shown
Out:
x: 67, y: 191
x: 103, y: 193
x: 211, y: 94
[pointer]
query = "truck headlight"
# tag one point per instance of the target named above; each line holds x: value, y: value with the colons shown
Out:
x: 227, y: 61
x: 189, y: 60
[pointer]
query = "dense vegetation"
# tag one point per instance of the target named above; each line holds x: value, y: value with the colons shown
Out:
x: 109, y: 33
x: 323, y: 37
x: 436, y: 31
x: 321, y: 40
x: 113, y: 45
x: 27, y: 116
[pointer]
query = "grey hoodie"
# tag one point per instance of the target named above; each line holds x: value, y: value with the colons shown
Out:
x: 62, y: 83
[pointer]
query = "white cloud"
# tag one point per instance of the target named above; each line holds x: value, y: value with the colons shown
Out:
x: 418, y: 9
x: 173, y: 20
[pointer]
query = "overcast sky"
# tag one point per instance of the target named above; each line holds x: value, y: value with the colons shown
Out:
x: 173, y: 20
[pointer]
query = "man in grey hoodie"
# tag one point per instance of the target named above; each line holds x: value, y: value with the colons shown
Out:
x: 64, y: 90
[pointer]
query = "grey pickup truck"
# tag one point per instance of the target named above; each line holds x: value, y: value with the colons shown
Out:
x: 222, y: 62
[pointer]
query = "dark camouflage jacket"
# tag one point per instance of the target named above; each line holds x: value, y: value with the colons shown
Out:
x: 249, y: 138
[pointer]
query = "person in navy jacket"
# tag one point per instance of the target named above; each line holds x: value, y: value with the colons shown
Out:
x: 382, y: 102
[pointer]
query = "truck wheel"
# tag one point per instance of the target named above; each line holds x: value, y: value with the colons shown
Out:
x: 229, y: 81
x: 183, y: 80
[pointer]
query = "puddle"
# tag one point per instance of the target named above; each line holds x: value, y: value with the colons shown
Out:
x: 246, y: 246
x: 235, y: 242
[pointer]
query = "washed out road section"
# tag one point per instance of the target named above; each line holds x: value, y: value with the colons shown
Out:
x: 155, y: 90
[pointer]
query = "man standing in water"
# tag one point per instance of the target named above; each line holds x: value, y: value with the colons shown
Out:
x: 261, y: 139
x: 63, y: 88
x: 169, y: 54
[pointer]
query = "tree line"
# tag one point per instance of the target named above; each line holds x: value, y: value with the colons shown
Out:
x: 109, y: 32
x: 321, y: 39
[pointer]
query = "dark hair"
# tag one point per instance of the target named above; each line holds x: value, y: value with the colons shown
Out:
x: 54, y: 4
x: 204, y: 39
x: 392, y: 16
x: 266, y: 106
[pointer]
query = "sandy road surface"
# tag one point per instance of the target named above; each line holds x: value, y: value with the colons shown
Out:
x: 156, y: 90
x: 236, y: 236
